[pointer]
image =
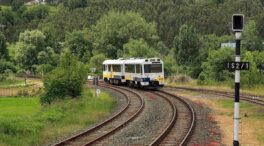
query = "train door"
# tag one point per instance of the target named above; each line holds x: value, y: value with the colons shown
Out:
x: 139, y: 70
x: 110, y: 69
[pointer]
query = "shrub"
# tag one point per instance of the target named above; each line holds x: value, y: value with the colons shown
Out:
x: 5, y: 65
x: 36, y: 12
x: 43, y: 69
x: 214, y: 69
x: 3, y: 77
x: 66, y: 80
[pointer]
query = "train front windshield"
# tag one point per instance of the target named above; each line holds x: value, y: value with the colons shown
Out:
x: 153, y: 68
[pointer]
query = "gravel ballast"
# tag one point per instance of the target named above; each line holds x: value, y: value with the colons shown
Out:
x: 146, y: 127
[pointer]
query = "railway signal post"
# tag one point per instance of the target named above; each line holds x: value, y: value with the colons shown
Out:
x: 238, y: 23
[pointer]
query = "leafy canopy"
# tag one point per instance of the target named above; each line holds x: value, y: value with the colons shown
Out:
x: 3, y: 47
x: 78, y: 43
x: 187, y: 45
x: 138, y: 48
x: 31, y: 50
x: 251, y: 40
x: 115, y: 29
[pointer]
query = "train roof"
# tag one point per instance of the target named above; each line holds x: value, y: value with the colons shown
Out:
x: 133, y: 61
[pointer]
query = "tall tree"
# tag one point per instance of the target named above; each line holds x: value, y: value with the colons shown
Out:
x: 187, y: 45
x: 251, y: 40
x: 72, y: 4
x: 16, y: 4
x: 138, y: 48
x: 77, y: 42
x: 96, y: 62
x: 29, y: 45
x: 115, y: 29
x: 3, y: 48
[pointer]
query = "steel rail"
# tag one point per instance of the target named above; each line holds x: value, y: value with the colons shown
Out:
x: 124, y: 123
x: 170, y: 125
x: 191, y: 128
x: 109, y: 120
x: 249, y: 98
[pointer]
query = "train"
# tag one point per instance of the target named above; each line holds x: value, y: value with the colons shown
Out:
x: 135, y: 72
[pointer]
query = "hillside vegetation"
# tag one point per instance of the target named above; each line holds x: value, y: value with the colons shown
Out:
x: 185, y: 34
x: 24, y: 122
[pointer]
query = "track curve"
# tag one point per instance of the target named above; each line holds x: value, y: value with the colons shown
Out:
x: 181, y: 128
x: 133, y: 108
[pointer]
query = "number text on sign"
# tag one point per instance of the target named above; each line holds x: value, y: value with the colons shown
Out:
x: 237, y: 65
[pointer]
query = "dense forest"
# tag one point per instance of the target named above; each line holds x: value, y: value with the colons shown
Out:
x: 186, y: 34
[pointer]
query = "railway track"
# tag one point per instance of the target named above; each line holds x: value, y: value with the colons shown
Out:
x: 182, y: 123
x: 132, y: 109
x: 250, y: 98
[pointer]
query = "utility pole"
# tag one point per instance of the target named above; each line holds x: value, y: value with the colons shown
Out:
x: 237, y: 65
x: 237, y: 90
x: 238, y: 23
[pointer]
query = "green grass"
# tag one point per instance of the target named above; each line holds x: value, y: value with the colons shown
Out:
x: 250, y: 109
x: 24, y: 122
x: 12, y: 82
x: 260, y: 137
x: 9, y: 107
x: 229, y: 103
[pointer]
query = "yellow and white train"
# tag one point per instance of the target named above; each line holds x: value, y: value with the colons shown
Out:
x: 147, y: 72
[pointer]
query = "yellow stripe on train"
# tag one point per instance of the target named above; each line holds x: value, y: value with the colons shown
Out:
x: 160, y: 79
x: 107, y: 75
x: 128, y: 77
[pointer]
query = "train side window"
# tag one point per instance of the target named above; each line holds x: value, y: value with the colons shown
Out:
x: 130, y: 68
x: 147, y: 68
x: 106, y: 67
x: 153, y: 68
x: 116, y: 68
x: 110, y: 68
x: 138, y: 68
x: 126, y: 67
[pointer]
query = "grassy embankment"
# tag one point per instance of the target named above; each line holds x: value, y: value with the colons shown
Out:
x: 251, y: 123
x: 24, y: 122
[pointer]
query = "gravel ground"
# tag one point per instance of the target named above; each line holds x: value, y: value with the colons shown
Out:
x: 146, y: 126
x: 207, y: 132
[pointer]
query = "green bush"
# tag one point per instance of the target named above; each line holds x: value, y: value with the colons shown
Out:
x: 17, y: 127
x: 36, y: 12
x: 43, y: 69
x: 3, y: 77
x: 214, y: 70
x: 254, y: 75
x: 6, y: 65
x: 66, y: 80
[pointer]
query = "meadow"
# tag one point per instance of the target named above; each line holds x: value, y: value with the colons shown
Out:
x: 24, y: 121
